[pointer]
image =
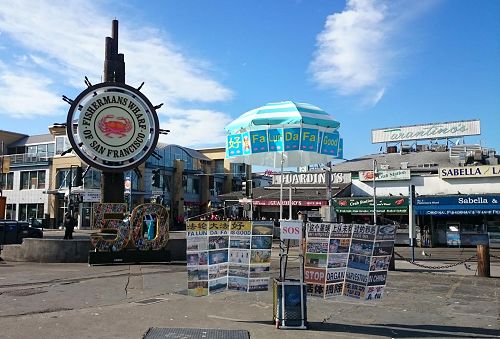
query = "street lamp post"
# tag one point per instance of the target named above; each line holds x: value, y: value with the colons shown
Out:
x: 281, y: 186
x: 374, y: 192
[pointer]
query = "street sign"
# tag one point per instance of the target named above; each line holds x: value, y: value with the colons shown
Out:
x: 291, y: 229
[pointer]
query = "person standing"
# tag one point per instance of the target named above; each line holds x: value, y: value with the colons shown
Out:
x: 69, y: 226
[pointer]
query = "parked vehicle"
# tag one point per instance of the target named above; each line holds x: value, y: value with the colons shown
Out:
x: 13, y: 232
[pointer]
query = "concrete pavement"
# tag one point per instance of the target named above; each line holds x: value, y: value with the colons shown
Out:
x: 124, y: 301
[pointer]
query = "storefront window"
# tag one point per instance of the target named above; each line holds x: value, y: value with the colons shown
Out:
x: 473, y: 228
x: 30, y: 211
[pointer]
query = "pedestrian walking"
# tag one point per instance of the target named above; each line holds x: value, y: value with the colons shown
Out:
x: 69, y: 226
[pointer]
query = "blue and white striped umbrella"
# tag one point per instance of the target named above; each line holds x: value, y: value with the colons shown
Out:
x: 283, y: 133
x: 283, y: 113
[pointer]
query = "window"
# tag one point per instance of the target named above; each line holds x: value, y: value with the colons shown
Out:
x: 219, y: 166
x: 50, y: 149
x: 62, y: 144
x: 192, y: 185
x: 92, y: 179
x: 32, y: 180
x: 7, y: 181
x: 30, y: 211
x: 62, y: 178
x: 10, y: 212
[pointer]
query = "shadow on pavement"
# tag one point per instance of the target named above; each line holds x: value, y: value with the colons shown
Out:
x: 420, y: 270
x: 398, y: 330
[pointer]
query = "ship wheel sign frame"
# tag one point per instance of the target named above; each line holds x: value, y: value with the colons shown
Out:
x: 112, y: 127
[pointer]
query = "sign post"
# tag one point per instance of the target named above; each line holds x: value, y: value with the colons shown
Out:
x: 111, y: 126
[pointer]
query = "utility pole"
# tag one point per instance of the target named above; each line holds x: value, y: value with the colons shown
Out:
x: 411, y: 220
x: 374, y: 192
x: 112, y: 183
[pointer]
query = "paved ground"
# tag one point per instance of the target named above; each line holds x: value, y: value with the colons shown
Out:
x: 78, y: 301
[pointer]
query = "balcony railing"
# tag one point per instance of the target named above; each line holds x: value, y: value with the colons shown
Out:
x: 26, y: 158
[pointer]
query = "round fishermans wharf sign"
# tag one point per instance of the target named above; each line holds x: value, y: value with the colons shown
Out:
x: 112, y: 127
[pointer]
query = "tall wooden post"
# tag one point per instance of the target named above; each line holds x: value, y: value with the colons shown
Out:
x: 483, y: 261
x: 392, y: 262
x: 112, y: 183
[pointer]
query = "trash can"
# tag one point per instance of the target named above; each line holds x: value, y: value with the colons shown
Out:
x: 9, y: 233
x: 294, y: 303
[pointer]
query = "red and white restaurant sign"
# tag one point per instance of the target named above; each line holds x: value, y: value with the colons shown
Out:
x: 291, y: 229
x: 267, y: 202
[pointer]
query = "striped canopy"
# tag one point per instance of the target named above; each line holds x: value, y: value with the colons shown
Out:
x: 283, y: 113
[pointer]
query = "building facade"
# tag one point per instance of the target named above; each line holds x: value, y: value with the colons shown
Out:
x: 39, y: 180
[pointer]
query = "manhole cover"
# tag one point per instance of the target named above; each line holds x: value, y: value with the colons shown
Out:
x: 195, y: 333
x: 150, y: 301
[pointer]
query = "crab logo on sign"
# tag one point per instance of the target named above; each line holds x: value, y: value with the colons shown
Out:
x: 117, y: 127
x: 110, y: 125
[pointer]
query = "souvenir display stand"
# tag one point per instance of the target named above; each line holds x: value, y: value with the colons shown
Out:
x: 289, y: 295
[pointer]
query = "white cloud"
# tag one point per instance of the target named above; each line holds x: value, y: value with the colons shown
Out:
x: 358, y: 52
x: 350, y: 55
x: 52, y: 42
x: 25, y: 95
x: 196, y: 128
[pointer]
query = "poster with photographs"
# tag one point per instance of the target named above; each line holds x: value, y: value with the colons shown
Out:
x: 347, y: 259
x: 369, y: 258
x: 260, y: 256
x: 207, y: 244
x: 380, y: 261
x: 197, y: 257
x: 316, y: 257
x: 338, y: 254
x: 250, y: 246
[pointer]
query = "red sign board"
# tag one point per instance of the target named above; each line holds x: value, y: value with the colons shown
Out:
x: 314, y: 275
x: 267, y: 202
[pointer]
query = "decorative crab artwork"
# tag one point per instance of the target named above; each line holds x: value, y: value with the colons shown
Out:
x: 110, y: 125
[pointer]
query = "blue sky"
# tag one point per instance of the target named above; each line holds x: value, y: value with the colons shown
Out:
x: 370, y: 64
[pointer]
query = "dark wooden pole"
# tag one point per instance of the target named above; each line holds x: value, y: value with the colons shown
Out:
x: 483, y: 261
x: 392, y: 263
x: 112, y: 183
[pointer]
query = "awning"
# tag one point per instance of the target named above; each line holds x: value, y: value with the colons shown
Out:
x: 357, y: 205
x: 268, y: 202
x: 458, y: 205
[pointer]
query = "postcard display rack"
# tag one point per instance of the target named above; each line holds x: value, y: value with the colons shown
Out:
x: 222, y: 255
x: 348, y: 259
x: 289, y: 295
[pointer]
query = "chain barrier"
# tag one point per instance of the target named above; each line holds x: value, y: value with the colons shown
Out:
x: 494, y: 256
x: 435, y: 267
